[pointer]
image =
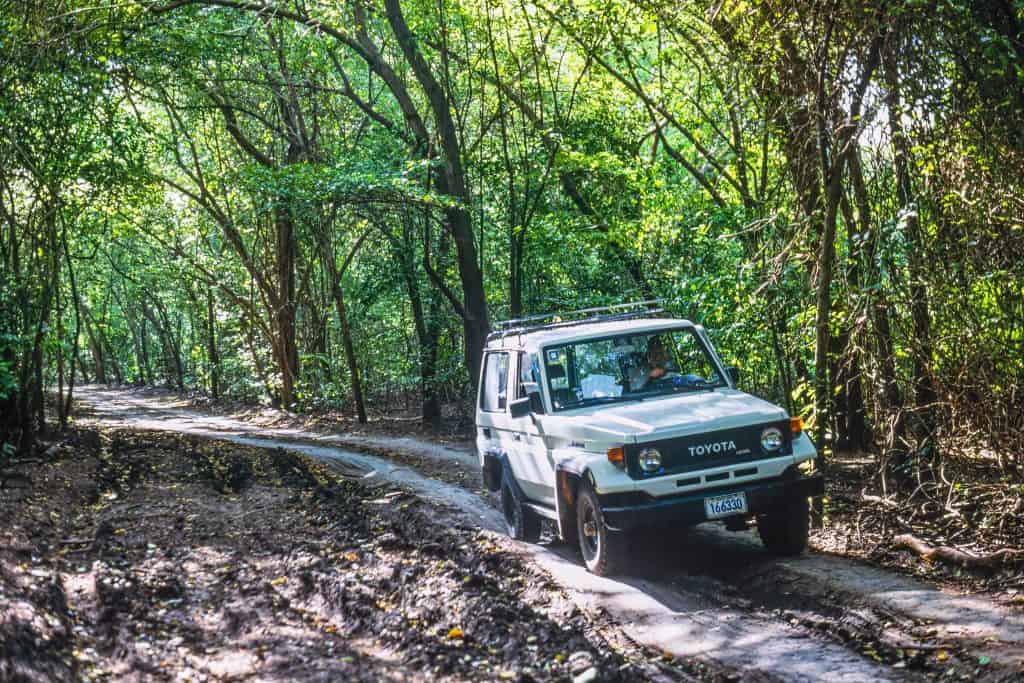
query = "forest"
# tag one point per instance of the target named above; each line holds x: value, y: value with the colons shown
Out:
x: 326, y: 205
x: 252, y: 251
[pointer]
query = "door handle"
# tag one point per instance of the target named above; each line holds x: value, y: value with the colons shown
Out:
x: 516, y: 436
x: 487, y: 432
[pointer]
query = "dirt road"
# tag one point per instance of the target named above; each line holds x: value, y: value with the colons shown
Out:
x: 709, y: 594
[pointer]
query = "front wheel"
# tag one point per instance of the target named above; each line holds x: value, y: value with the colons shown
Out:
x: 784, y: 530
x: 604, y: 551
x: 521, y: 523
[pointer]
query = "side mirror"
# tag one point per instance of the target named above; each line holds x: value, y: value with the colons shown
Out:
x: 533, y: 392
x: 734, y: 374
x: 519, y: 407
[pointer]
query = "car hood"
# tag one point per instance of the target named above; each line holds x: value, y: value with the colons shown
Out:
x: 664, y: 417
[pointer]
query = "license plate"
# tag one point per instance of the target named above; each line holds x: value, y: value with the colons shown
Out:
x: 725, y: 506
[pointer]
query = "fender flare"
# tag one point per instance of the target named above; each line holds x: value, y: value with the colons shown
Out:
x: 492, y: 469
x: 497, y: 470
x: 569, y: 473
x: 508, y: 476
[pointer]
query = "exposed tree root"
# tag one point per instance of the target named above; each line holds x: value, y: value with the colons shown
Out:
x: 1005, y: 556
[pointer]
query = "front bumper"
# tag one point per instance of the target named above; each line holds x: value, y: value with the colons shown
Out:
x: 688, y: 509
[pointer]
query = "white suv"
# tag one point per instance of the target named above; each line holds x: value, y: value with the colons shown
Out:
x: 624, y: 418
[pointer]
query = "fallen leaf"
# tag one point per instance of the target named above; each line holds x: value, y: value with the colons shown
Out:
x: 455, y: 633
x: 942, y: 655
x: 279, y: 581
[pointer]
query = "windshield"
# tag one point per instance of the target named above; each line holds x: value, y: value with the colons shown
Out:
x: 629, y: 367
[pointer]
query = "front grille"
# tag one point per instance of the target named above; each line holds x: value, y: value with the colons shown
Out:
x: 708, y: 449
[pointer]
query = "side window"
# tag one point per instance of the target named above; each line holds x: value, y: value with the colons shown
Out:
x: 494, y: 396
x: 558, y: 361
x: 529, y: 371
x: 692, y: 358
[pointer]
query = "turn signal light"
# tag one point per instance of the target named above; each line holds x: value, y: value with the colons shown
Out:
x: 617, y: 456
x: 796, y: 424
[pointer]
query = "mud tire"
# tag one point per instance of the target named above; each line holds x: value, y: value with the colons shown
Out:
x: 521, y: 523
x: 605, y: 552
x: 784, y: 530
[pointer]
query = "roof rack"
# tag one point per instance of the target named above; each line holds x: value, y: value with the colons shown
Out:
x: 599, y: 314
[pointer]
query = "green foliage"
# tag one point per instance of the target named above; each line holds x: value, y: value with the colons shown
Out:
x: 206, y: 169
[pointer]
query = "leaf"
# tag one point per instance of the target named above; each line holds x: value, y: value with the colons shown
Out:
x: 455, y: 633
x: 279, y: 581
x: 942, y: 655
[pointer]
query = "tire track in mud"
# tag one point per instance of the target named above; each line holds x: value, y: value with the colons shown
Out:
x: 710, y: 596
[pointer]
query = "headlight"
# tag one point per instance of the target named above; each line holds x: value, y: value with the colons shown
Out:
x: 650, y: 460
x: 771, y: 439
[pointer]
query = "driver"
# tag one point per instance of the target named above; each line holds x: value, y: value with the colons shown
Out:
x: 653, y: 368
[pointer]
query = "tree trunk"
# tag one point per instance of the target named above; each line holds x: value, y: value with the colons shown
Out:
x: 78, y: 326
x: 96, y: 350
x: 133, y: 326
x: 62, y: 418
x: 426, y: 320
x: 172, y: 346
x: 879, y: 305
x: 350, y: 355
x: 858, y: 433
x: 173, y: 371
x: 288, y: 354
x: 30, y: 387
x: 451, y: 181
x: 785, y: 377
x: 924, y: 389
x: 335, y: 274
x: 839, y: 406
x: 823, y: 312
x: 147, y: 370
x: 212, y: 354
x: 515, y: 274
x: 38, y: 395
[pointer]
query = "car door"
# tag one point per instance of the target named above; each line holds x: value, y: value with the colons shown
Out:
x: 531, y: 460
x: 493, y: 435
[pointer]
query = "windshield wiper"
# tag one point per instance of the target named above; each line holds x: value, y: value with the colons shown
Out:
x: 702, y: 385
x: 601, y: 399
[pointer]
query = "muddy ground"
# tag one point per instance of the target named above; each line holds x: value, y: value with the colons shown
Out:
x: 972, y: 502
x: 147, y: 556
x: 709, y: 605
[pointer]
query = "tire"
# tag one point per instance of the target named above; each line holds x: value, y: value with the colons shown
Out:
x: 605, y: 552
x: 521, y: 523
x: 784, y: 530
